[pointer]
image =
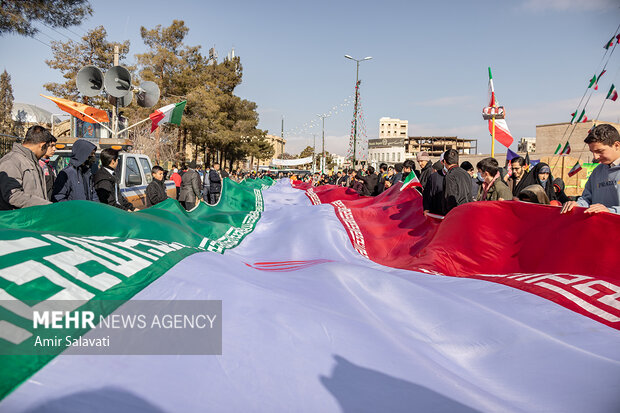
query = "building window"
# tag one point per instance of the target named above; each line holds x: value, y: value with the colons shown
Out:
x: 398, y: 156
x: 393, y: 156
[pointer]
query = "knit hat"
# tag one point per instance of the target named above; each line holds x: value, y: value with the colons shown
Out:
x: 422, y: 156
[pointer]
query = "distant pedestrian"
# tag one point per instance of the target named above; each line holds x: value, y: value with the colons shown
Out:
x: 215, y: 182
x: 190, y: 192
x: 176, y: 178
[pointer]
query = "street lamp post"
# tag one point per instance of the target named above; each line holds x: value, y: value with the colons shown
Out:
x: 323, y: 116
x: 313, y: 153
x: 357, y: 74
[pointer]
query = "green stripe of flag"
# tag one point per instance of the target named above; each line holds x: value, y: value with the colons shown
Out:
x: 133, y: 249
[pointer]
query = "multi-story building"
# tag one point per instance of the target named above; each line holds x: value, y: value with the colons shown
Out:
x: 340, y: 161
x: 278, y: 143
x: 393, y: 128
x: 388, y: 150
x: 436, y: 145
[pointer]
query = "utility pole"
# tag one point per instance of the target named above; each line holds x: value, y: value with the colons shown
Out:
x: 313, y: 153
x: 323, y: 116
x: 115, y: 109
x: 357, y: 89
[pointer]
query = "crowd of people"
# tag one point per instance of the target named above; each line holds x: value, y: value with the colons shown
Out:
x: 27, y: 178
x: 446, y: 184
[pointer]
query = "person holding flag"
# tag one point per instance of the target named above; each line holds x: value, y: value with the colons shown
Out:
x: 602, y: 191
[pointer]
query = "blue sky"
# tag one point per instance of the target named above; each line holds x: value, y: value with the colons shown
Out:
x: 429, y: 61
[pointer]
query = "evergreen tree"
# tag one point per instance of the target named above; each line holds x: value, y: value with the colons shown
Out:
x: 17, y: 16
x: 6, y: 104
x: 70, y: 56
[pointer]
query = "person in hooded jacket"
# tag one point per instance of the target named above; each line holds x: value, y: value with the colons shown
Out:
x: 106, y: 182
x: 541, y: 175
x: 75, y: 181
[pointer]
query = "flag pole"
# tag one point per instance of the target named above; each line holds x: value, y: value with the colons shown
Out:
x: 493, y: 139
x: 135, y: 124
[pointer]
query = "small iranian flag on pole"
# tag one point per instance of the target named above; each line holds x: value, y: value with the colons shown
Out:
x: 583, y: 113
x: 609, y: 43
x: 613, y: 93
x: 574, y: 114
x: 566, y: 149
x: 410, y: 181
x: 491, y: 90
x: 593, y: 83
x: 168, y: 114
x: 557, y: 149
x: 575, y: 169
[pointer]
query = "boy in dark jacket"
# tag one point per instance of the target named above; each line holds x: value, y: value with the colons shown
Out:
x: 106, y: 182
x: 75, y: 181
x: 156, y: 190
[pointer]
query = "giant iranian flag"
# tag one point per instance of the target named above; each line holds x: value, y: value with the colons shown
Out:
x: 331, y: 302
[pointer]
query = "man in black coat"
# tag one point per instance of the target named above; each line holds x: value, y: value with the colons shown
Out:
x: 190, y: 192
x: 215, y: 184
x: 432, y: 196
x: 426, y: 167
x: 106, y: 183
x: 156, y: 190
x: 383, y: 177
x: 457, y: 183
x: 370, y: 181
